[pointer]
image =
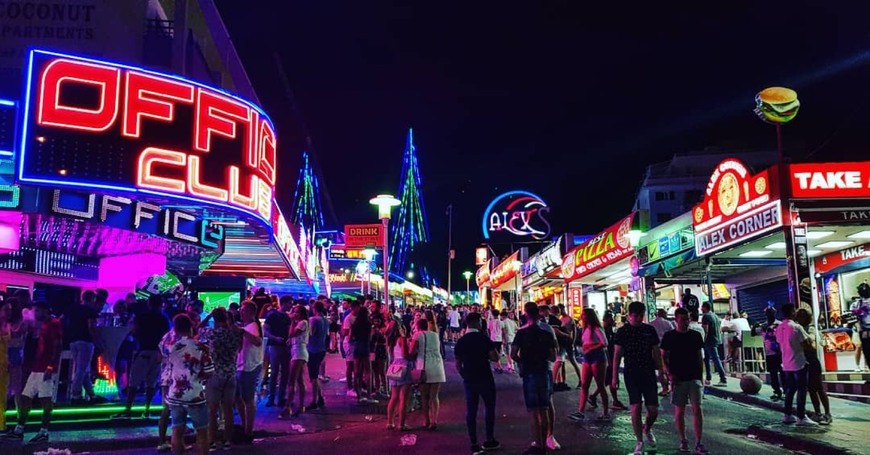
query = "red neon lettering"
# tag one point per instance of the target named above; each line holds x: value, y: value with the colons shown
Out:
x: 268, y: 153
x: 145, y: 175
x: 152, y: 97
x: 216, y: 114
x: 196, y: 187
x: 253, y: 145
x: 236, y: 197
x: 264, y: 198
x: 62, y: 72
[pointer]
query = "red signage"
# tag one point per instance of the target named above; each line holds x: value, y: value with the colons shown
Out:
x: 606, y: 248
x: 830, y: 180
x: 506, y: 270
x: 147, y: 131
x: 363, y: 235
x: 481, y: 255
x: 481, y: 276
x: 575, y: 302
x: 831, y: 261
x: 737, y: 205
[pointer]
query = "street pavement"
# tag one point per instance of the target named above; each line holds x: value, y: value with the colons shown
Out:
x: 344, y: 427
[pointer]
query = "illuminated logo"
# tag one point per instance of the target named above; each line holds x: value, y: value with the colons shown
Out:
x: 104, y: 125
x: 517, y: 213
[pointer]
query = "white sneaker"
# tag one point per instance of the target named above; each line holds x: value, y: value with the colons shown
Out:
x: 807, y: 422
x: 552, y: 444
x: 788, y: 418
x: 650, y: 438
x: 638, y: 448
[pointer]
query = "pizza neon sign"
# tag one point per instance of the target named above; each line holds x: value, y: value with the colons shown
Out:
x: 517, y: 213
x: 105, y: 125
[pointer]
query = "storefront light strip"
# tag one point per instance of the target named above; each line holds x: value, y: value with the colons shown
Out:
x: 87, y: 411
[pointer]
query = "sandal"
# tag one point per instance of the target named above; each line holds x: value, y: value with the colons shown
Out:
x: 432, y: 427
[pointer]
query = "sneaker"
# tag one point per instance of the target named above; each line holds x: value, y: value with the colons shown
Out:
x: 700, y: 449
x: 577, y: 417
x: 807, y: 422
x: 722, y: 382
x: 684, y: 446
x: 788, y: 418
x: 593, y: 403
x: 228, y: 445
x: 42, y: 436
x: 552, y: 444
x: 618, y: 406
x: 776, y: 397
x: 13, y: 436
x: 351, y: 393
x: 638, y: 448
x: 650, y: 438
x: 123, y: 415
x: 826, y: 420
x: 492, y: 444
x: 213, y: 447
x: 476, y: 449
x: 164, y: 447
x: 147, y: 415
x: 814, y: 416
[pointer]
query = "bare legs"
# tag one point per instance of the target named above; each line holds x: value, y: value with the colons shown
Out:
x: 398, y: 403
x: 429, y: 395
x: 297, y: 367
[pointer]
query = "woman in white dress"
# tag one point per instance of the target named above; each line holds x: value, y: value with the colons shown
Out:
x: 427, y: 348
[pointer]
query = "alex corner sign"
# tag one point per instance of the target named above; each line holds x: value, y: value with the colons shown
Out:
x: 105, y: 126
x: 830, y: 180
x: 606, y: 248
x: 357, y: 235
x: 737, y: 205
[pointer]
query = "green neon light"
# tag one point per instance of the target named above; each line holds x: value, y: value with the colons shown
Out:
x: 93, y: 410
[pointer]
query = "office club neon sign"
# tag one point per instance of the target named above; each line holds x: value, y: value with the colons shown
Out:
x: 104, y: 125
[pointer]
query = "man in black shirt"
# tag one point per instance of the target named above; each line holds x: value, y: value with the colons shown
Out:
x: 276, y: 330
x: 681, y: 353
x: 533, y: 349
x: 639, y: 344
x: 473, y: 353
x: 80, y: 321
x: 690, y: 301
x: 148, y: 330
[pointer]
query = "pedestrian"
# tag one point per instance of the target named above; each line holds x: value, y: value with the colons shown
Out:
x: 772, y: 353
x: 42, y: 380
x: 399, y: 375
x: 276, y: 329
x: 148, y: 329
x: 378, y: 351
x: 690, y: 301
x: 81, y: 328
x: 683, y: 365
x: 453, y: 324
x: 594, y: 364
x: 249, y: 364
x: 712, y: 327
x: 317, y: 344
x: 190, y: 368
x: 662, y: 326
x: 473, y: 352
x: 638, y: 343
x: 351, y: 309
x: 297, y: 342
x: 559, y: 384
x: 793, y: 339
x: 510, y: 331
x: 608, y: 327
x: 861, y: 309
x: 533, y: 349
x: 815, y: 387
x: 569, y: 326
x: 495, y: 327
x: 361, y: 339
x: 549, y: 324
x: 164, y: 379
x: 426, y: 347
x: 224, y: 342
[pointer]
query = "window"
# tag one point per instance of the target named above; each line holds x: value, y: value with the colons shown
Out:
x: 665, y: 195
x: 663, y: 217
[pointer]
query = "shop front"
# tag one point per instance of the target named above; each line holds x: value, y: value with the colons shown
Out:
x: 482, y: 277
x: 542, y: 274
x: 506, y: 281
x: 601, y: 268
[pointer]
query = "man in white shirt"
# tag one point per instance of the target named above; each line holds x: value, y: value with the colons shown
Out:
x: 509, y: 331
x: 662, y: 327
x: 452, y: 324
x: 792, y: 340
x: 495, y: 327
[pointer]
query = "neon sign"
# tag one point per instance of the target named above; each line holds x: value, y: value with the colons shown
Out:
x: 517, y: 213
x: 97, y: 124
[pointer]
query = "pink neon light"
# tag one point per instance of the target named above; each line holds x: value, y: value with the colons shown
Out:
x: 195, y: 187
x: 216, y: 114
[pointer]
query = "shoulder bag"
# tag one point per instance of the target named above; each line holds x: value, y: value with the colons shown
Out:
x: 418, y: 376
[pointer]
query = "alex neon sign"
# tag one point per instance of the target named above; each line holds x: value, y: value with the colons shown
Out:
x: 518, y: 213
x: 104, y: 125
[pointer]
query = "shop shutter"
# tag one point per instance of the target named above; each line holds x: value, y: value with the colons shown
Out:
x: 754, y: 300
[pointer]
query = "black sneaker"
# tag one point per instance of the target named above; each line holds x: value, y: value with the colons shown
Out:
x: 42, y: 436
x: 491, y: 445
x: 13, y: 436
x: 476, y: 449
x: 123, y: 415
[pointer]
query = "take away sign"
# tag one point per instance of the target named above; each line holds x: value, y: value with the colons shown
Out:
x: 363, y: 235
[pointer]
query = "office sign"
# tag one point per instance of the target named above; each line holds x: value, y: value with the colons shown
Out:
x: 363, y: 235
x: 101, y: 125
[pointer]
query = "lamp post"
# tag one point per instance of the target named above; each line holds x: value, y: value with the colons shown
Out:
x: 385, y: 204
x: 467, y: 276
x: 369, y: 254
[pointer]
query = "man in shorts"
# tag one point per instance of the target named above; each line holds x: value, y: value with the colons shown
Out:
x: 533, y: 349
x: 191, y: 366
x: 224, y: 342
x: 42, y: 380
x: 639, y: 345
x: 681, y: 350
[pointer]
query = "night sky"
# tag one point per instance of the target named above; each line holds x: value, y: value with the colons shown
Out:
x: 563, y: 99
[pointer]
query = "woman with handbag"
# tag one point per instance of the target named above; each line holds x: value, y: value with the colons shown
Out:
x: 399, y: 374
x: 429, y: 371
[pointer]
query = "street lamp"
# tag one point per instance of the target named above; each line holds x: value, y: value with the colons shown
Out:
x: 467, y: 276
x: 385, y: 204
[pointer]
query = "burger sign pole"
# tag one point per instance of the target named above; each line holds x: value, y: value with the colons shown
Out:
x: 777, y: 105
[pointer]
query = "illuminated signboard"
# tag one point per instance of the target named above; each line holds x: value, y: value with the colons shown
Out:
x: 482, y: 275
x: 516, y: 214
x: 506, y: 270
x: 362, y: 235
x: 737, y: 206
x: 549, y: 259
x: 830, y: 180
x: 666, y: 246
x: 831, y: 261
x: 481, y: 255
x: 103, y: 125
x: 126, y: 213
x: 606, y: 248
x: 345, y: 252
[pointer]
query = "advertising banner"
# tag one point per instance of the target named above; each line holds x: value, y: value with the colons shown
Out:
x: 737, y: 206
x: 606, y: 248
x: 363, y: 235
x: 506, y: 270
x: 831, y: 261
x: 830, y: 180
